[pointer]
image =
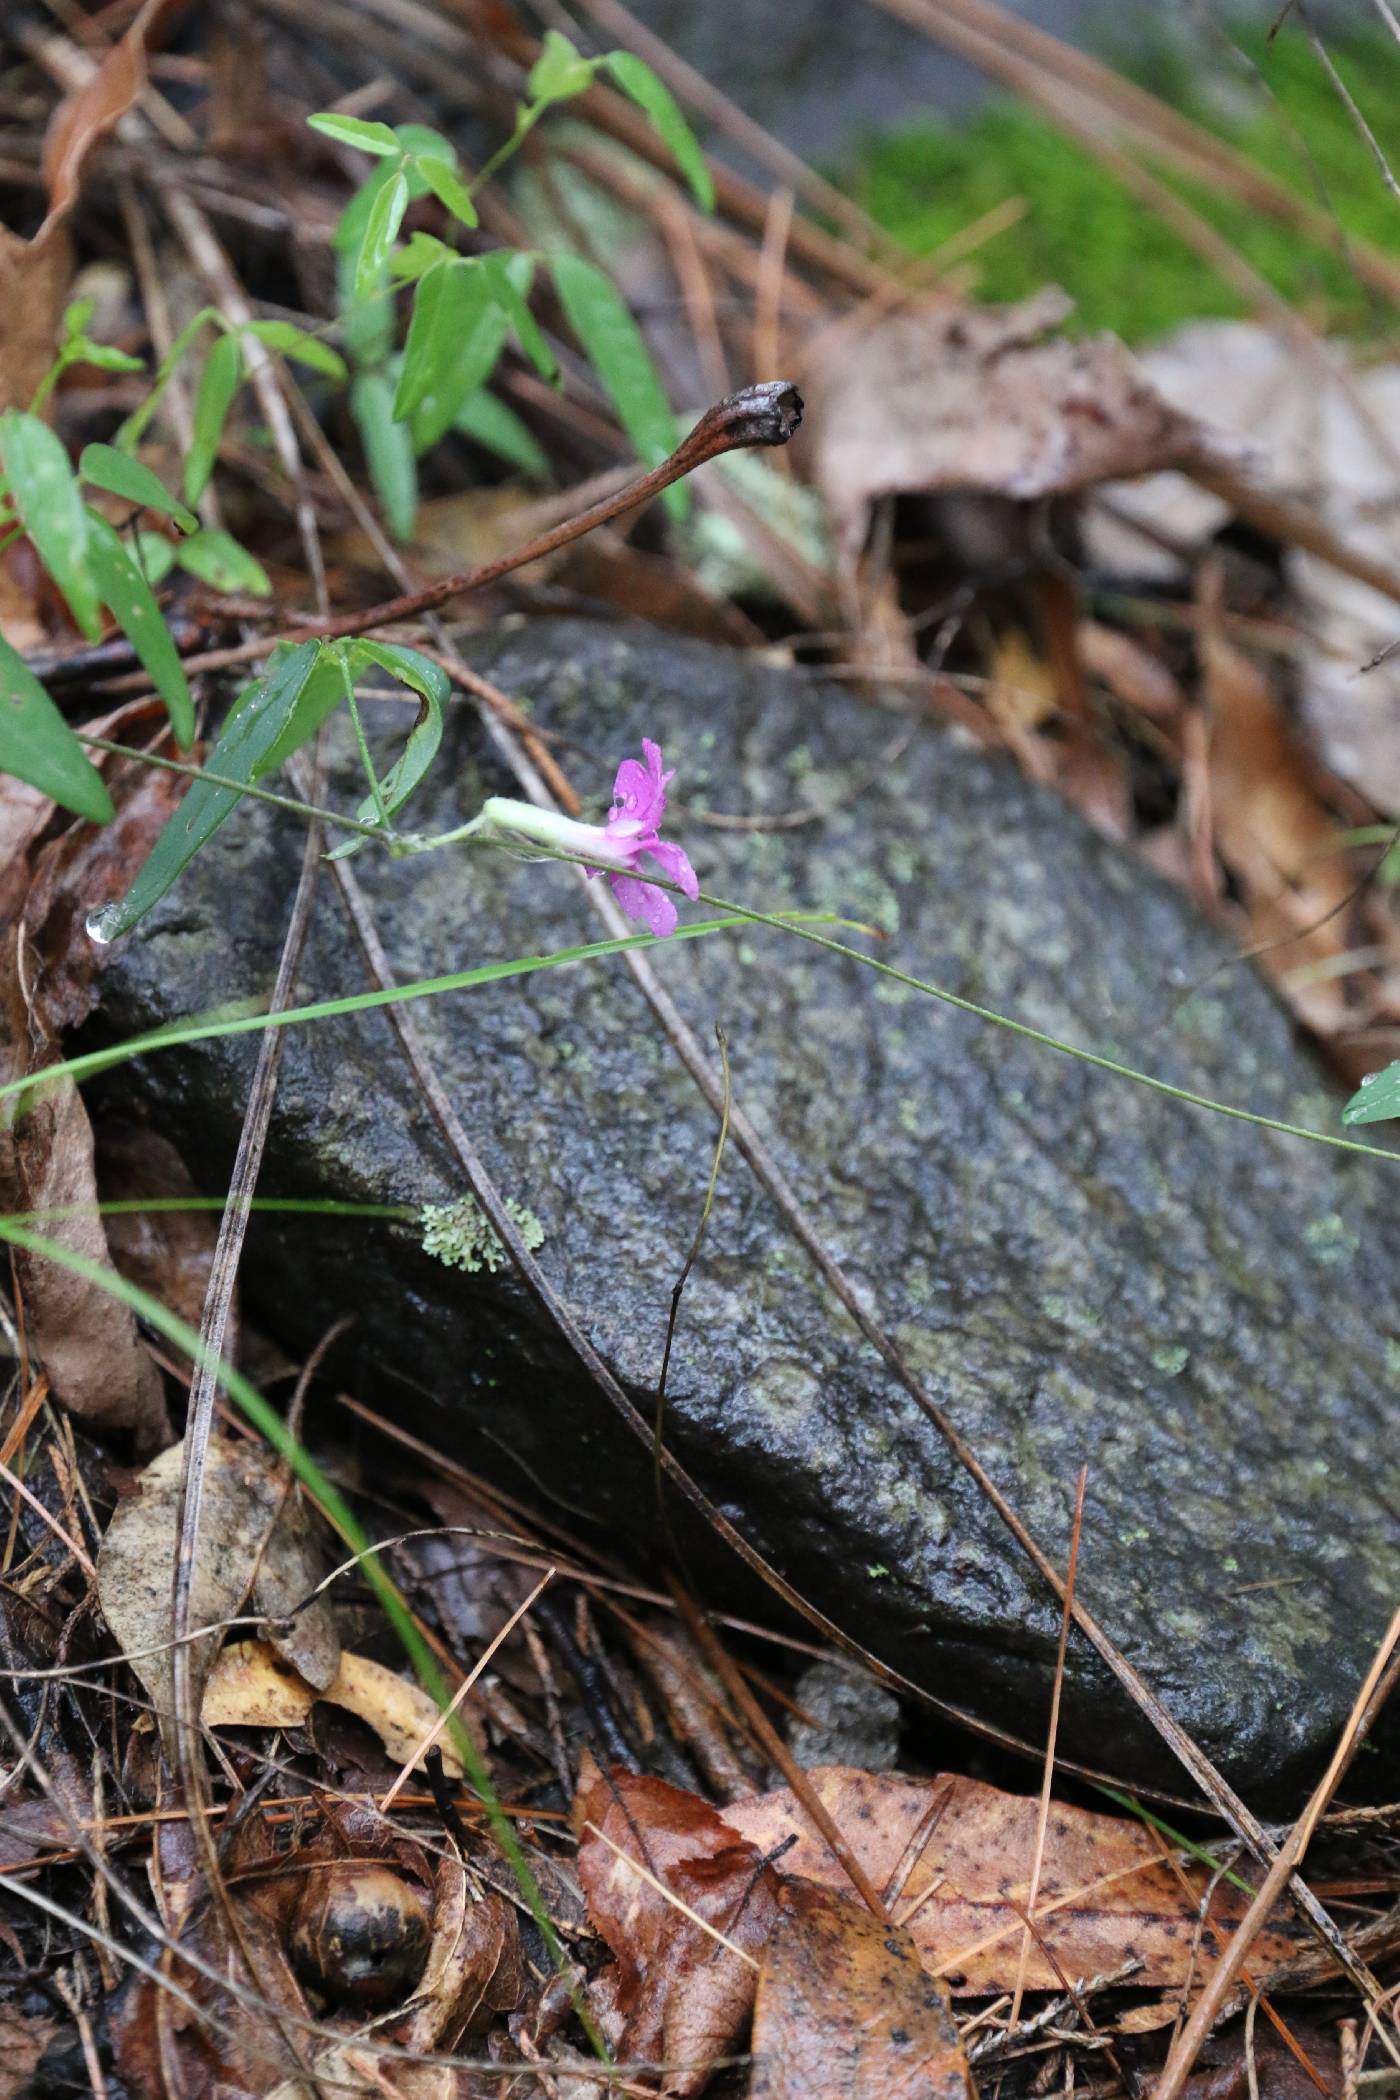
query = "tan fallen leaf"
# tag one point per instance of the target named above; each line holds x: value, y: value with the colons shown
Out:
x: 251, y: 1534
x: 941, y: 397
x: 958, y: 1856
x: 251, y: 1686
x: 845, y: 2011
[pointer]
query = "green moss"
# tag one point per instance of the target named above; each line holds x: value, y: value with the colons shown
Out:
x: 1086, y: 230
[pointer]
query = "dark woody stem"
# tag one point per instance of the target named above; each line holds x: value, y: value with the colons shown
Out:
x: 767, y: 414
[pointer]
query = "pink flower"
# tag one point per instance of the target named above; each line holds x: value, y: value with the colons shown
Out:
x: 632, y: 829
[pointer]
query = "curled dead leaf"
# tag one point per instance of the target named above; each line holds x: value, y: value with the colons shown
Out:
x: 252, y: 1686
x: 940, y: 397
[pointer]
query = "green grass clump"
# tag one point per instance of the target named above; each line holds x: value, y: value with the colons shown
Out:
x: 1086, y: 230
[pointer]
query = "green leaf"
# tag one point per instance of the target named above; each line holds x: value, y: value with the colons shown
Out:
x: 1377, y: 1098
x: 434, y: 332
x: 37, y: 745
x: 126, y: 591
x: 217, y: 559
x: 381, y: 231
x: 636, y: 79
x: 356, y: 131
x: 559, y: 72
x: 77, y: 316
x: 319, y: 697
x: 388, y: 451
x: 511, y: 298
x: 218, y: 383
x: 470, y: 333
x: 420, y: 253
x: 295, y: 342
x: 407, y: 771
x: 449, y: 189
x: 487, y: 421
x: 45, y: 492
x: 257, y: 719
x: 105, y: 357
x: 620, y: 357
x: 121, y: 475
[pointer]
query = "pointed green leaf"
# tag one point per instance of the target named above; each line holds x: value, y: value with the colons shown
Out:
x: 487, y: 421
x: 104, y: 357
x: 381, y: 231
x: 559, y: 72
x: 256, y: 720
x: 619, y: 355
x: 319, y: 697
x: 121, y: 475
x: 388, y: 451
x: 511, y: 298
x: 636, y: 79
x: 37, y: 745
x: 434, y: 332
x: 217, y: 559
x: 154, y: 553
x: 449, y: 189
x: 296, y: 343
x: 356, y: 131
x: 218, y: 383
x: 1377, y: 1099
x: 478, y: 333
x: 125, y: 590
x: 45, y: 492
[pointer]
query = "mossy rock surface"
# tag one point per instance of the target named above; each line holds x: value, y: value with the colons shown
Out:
x: 1081, y: 1270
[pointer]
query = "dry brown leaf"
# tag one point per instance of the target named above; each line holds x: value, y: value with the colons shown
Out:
x: 845, y: 2011
x: 251, y: 1686
x: 475, y: 1966
x: 249, y: 1534
x: 23, y: 2039
x: 1274, y: 831
x: 1107, y: 1893
x: 86, y: 1340
x: 941, y: 397
x: 676, y: 1993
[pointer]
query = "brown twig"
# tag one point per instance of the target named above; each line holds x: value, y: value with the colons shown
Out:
x: 810, y: 1801
x: 1042, y: 1820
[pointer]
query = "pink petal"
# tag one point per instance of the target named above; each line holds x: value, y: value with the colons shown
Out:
x: 672, y: 862
x: 640, y: 790
x: 645, y: 902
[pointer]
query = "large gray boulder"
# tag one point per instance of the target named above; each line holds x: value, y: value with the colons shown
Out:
x: 1082, y: 1271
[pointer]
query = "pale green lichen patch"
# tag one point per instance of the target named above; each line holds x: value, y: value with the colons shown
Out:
x: 1171, y: 1360
x: 461, y: 1236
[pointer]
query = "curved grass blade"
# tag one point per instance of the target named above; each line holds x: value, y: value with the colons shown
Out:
x: 214, y: 1027
x: 258, y: 718
x: 37, y: 745
x: 125, y: 590
x: 45, y: 492
x: 121, y: 475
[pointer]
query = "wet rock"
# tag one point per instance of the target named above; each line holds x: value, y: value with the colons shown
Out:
x: 1081, y: 1270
